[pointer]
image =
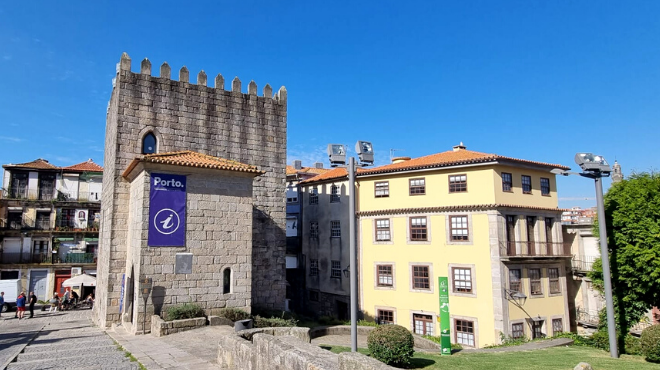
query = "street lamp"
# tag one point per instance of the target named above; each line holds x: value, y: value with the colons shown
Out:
x: 337, y: 155
x: 596, y: 167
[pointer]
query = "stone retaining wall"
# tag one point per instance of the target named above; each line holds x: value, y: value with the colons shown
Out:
x: 285, y: 349
x: 160, y: 327
x: 321, y: 331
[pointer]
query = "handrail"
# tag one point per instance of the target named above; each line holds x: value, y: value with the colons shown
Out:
x: 535, y: 249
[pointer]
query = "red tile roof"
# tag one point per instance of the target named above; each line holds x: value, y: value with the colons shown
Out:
x: 38, y: 164
x: 188, y: 158
x: 333, y: 174
x: 453, y: 158
x: 87, y: 166
x: 290, y: 170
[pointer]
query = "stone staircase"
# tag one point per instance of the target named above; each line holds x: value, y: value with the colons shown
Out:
x: 72, y: 345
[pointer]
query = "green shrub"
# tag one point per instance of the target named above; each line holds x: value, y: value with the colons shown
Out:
x: 391, y: 344
x: 650, y: 343
x: 362, y: 323
x: 454, y: 346
x: 633, y: 346
x: 273, y: 322
x: 329, y: 320
x: 184, y: 311
x: 234, y: 314
x: 601, y: 340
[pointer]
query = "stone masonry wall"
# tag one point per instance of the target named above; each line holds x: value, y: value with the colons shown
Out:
x: 183, y: 116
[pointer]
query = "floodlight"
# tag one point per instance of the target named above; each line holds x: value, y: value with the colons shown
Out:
x: 365, y: 152
x: 337, y: 154
x: 592, y: 163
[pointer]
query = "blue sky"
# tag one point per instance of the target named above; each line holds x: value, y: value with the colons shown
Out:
x: 538, y: 80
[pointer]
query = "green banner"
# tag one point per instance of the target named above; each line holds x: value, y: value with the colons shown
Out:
x: 445, y: 338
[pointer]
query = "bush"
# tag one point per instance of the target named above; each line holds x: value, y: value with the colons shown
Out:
x: 362, y: 323
x: 184, y: 311
x: 633, y: 346
x: 234, y: 314
x: 601, y: 340
x: 650, y: 343
x: 391, y: 344
x: 273, y: 322
x: 329, y: 320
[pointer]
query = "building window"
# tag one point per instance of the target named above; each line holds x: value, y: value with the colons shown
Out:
x: 383, y: 230
x: 507, y: 182
x: 423, y: 324
x: 514, y: 280
x: 517, y: 330
x: 313, y: 296
x: 385, y: 317
x: 545, y: 186
x: 462, y: 280
x: 537, y: 329
x: 553, y: 277
x: 458, y: 184
x: 464, y: 332
x: 459, y: 228
x: 292, y: 199
x: 417, y: 186
x: 385, y: 276
x: 336, y: 269
x: 535, y: 282
x: 557, y: 326
x: 531, y: 240
x: 314, y: 230
x: 335, y: 229
x: 527, y: 184
x: 226, y: 281
x: 43, y: 221
x: 334, y: 194
x: 418, y: 228
x: 313, y: 267
x: 382, y: 189
x: 314, y: 196
x: 421, y: 278
x: 149, y: 143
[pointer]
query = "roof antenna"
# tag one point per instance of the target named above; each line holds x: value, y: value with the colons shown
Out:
x: 392, y: 153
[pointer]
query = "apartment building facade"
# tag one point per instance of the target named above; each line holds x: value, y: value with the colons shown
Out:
x: 490, y: 224
x: 49, y: 222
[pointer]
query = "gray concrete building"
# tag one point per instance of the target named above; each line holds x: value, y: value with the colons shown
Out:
x: 157, y: 115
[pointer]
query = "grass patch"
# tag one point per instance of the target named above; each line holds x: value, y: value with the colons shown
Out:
x: 130, y: 356
x: 551, y: 358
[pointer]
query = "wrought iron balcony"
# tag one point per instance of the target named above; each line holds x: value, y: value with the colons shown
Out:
x: 46, y: 193
x: 583, y: 264
x: 47, y: 258
x: 535, y: 249
x: 78, y: 197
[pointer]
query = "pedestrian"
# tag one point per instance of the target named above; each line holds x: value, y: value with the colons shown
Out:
x: 74, y: 297
x: 2, y: 301
x: 54, y: 302
x: 33, y: 301
x: 20, y: 305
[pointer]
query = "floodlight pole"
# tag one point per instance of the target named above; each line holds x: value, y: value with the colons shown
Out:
x: 605, y: 259
x: 353, y: 253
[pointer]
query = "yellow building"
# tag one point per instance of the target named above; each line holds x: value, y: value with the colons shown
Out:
x: 490, y: 224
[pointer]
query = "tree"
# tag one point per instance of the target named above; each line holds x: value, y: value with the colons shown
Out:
x: 632, y: 215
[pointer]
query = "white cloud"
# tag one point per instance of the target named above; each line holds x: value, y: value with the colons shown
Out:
x: 308, y: 155
x: 11, y: 138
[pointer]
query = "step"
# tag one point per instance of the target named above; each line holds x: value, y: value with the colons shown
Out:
x: 63, y: 346
x: 117, y: 358
x: 127, y: 366
x: 65, y: 352
x: 71, y: 339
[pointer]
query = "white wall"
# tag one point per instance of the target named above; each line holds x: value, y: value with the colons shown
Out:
x: 70, y: 185
x: 11, y: 245
x: 33, y: 183
x: 27, y: 244
x: 5, y: 179
x: 95, y: 187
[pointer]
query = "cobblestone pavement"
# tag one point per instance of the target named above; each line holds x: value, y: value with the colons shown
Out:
x: 58, y: 340
x: 195, y: 349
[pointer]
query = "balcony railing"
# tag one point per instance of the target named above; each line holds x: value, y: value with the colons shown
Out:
x: 48, y: 258
x: 583, y: 263
x: 535, y: 249
x: 43, y: 193
x: 78, y: 197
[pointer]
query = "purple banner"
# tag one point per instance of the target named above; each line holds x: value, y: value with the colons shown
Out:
x: 167, y: 210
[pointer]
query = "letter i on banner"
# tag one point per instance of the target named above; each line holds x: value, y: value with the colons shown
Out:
x: 167, y: 210
x: 445, y: 338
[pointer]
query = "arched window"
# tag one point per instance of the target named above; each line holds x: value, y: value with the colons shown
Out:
x: 149, y: 143
x: 226, y: 281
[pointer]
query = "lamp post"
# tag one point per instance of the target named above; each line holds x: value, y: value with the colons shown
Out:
x: 596, y: 167
x: 337, y: 154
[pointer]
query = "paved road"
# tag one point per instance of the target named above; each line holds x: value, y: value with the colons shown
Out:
x: 62, y: 340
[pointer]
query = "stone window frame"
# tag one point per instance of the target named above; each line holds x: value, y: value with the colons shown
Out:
x: 559, y: 273
x: 428, y: 230
x: 458, y: 185
x: 411, y: 285
x: 389, y: 229
x: 313, y: 267
x: 552, y: 324
x: 449, y: 240
x: 418, y: 189
x: 518, y: 322
x: 335, y: 269
x: 226, y: 284
x: 144, y: 137
x: 334, y: 194
x: 473, y: 278
x: 521, y: 288
x: 385, y: 308
x: 384, y: 189
x: 544, y: 321
x: 475, y: 326
x: 376, y: 276
x: 540, y: 281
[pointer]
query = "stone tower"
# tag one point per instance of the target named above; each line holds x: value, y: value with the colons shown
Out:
x: 617, y: 175
x: 182, y: 116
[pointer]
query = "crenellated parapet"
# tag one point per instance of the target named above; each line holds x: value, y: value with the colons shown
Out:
x: 202, y: 80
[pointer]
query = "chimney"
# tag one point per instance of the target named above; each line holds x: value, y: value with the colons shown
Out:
x: 400, y: 159
x: 318, y: 165
x: 297, y: 164
x: 459, y: 147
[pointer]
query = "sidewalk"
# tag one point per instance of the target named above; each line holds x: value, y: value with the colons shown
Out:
x: 195, y: 349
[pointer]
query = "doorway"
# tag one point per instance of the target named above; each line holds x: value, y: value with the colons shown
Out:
x: 38, y: 279
x: 342, y: 310
x: 60, y: 276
